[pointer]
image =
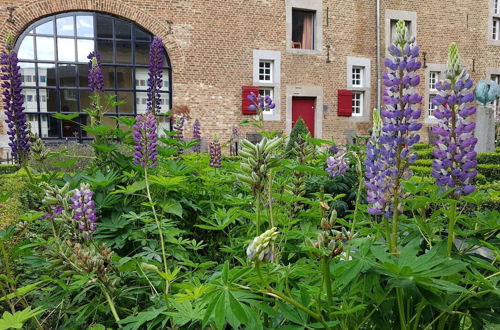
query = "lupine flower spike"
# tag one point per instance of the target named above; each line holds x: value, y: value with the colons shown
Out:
x: 338, y: 164
x: 454, y: 165
x: 261, y: 248
x: 13, y: 100
x: 197, y: 135
x: 96, y: 78
x: 215, y: 151
x: 146, y: 140
x: 155, y: 80
x: 84, y: 210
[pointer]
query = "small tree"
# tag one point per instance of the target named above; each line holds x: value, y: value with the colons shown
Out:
x: 298, y: 131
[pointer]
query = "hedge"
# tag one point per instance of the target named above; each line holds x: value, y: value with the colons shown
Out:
x: 489, y: 158
x: 426, y: 171
x: 490, y: 171
x: 8, y: 168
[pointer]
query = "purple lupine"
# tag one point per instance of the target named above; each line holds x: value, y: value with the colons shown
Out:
x: 400, y: 122
x: 197, y: 135
x: 13, y: 101
x: 454, y: 164
x: 179, y: 122
x: 260, y: 103
x: 84, y: 210
x: 333, y: 150
x: 215, y: 151
x: 146, y: 140
x: 96, y: 78
x: 155, y: 80
x: 337, y: 164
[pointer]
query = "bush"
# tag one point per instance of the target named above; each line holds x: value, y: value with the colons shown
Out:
x: 488, y: 158
x: 425, y: 171
x: 490, y: 171
x: 8, y: 168
x: 421, y: 146
x: 298, y: 130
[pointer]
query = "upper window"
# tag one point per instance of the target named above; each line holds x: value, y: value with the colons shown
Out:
x: 53, y: 59
x: 494, y: 23
x: 303, y: 28
x: 393, y: 29
x: 357, y: 76
x: 266, y: 71
x: 433, y: 79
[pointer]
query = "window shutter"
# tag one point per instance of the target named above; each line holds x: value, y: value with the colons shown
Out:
x: 245, y: 102
x: 344, y: 103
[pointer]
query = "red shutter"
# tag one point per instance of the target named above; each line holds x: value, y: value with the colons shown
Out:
x: 344, y: 103
x: 245, y: 102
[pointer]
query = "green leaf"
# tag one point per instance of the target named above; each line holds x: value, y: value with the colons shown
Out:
x: 65, y: 117
x: 16, y: 320
x: 22, y: 291
x: 225, y: 272
x: 131, y: 189
x: 210, y: 308
x: 220, y: 311
x: 32, y: 216
x: 237, y: 309
x: 65, y: 164
x: 129, y: 121
x: 174, y: 208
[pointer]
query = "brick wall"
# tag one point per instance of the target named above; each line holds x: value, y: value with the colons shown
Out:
x: 210, y: 45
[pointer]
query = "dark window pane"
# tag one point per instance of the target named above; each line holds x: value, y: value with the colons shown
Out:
x: 85, y: 101
x: 123, y: 52
x: 65, y: 26
x: 105, y: 48
x: 67, y: 75
x: 69, y: 100
x: 83, y: 74
x: 122, y: 29
x: 141, y: 34
x: 124, y: 77
x: 70, y: 128
x: 128, y: 102
x: 109, y: 76
x: 46, y: 28
x: 104, y: 27
x: 46, y: 75
x: 48, y: 126
x: 85, y: 26
x: 141, y: 53
x: 48, y: 100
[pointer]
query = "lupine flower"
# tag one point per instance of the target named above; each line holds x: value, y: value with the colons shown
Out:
x: 84, y: 210
x: 338, y: 164
x: 13, y: 100
x: 455, y: 159
x: 179, y: 122
x: 390, y: 154
x: 215, y: 151
x: 333, y: 150
x: 261, y: 248
x: 260, y: 103
x: 146, y: 140
x: 155, y: 80
x: 197, y: 135
x: 95, y: 79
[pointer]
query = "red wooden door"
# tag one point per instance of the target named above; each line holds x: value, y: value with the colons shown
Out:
x: 304, y: 107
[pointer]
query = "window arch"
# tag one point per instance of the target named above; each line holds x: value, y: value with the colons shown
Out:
x: 52, y: 55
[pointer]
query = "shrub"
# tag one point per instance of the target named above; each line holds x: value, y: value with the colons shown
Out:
x: 8, y: 168
x: 488, y: 158
x: 490, y: 171
x: 298, y: 130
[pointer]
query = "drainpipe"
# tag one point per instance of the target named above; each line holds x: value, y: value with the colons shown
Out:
x: 379, y: 75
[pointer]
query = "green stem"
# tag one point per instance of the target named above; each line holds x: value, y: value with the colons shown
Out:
x: 112, y: 307
x: 399, y: 294
x: 28, y: 172
x: 387, y: 232
x: 257, y: 214
x: 451, y: 226
x: 395, y: 218
x: 359, y: 172
x: 328, y: 282
x: 158, y: 224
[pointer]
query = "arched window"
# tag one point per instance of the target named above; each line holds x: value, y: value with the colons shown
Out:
x: 53, y: 59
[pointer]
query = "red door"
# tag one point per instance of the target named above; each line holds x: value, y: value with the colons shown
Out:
x: 304, y: 107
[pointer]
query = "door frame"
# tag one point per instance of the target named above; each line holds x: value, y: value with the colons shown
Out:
x: 305, y: 91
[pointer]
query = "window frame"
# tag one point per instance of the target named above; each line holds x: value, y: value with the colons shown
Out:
x: 396, y: 15
x: 494, y: 23
x: 274, y: 57
x: 430, y: 92
x: 58, y: 89
x: 265, y: 74
x: 364, y: 89
x: 360, y: 106
x: 315, y: 6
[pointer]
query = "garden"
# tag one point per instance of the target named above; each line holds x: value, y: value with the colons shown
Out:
x: 141, y: 229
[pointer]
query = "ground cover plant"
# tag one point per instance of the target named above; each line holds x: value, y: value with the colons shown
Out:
x: 152, y: 233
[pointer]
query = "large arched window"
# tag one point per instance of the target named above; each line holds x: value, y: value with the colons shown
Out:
x: 53, y: 59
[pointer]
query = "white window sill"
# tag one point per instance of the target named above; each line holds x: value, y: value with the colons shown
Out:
x: 431, y: 120
x: 304, y: 51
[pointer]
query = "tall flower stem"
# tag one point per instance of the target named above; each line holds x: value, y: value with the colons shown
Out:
x: 401, y: 309
x: 451, y: 226
x: 158, y: 224
x: 112, y: 306
x: 359, y: 172
x: 257, y: 213
x: 387, y: 233
x: 325, y: 265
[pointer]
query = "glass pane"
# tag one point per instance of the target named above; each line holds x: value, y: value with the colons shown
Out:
x: 164, y: 102
x: 141, y: 53
x: 49, y: 126
x: 30, y: 104
x: 123, y: 52
x: 84, y: 26
x: 32, y: 120
x: 141, y: 100
x: 141, y: 34
x: 104, y: 27
x: 108, y: 121
x: 46, y: 28
x: 141, y: 78
x: 26, y: 50
x: 66, y: 49
x: 83, y: 74
x: 122, y: 29
x: 166, y: 84
x: 28, y: 76
x: 70, y: 128
x: 109, y: 76
x: 128, y: 105
x: 45, y: 48
x: 65, y: 26
x: 46, y: 74
x: 84, y: 49
x: 105, y: 48
x: 124, y: 78
x: 67, y: 75
x: 48, y: 100
x: 85, y: 101
x: 69, y: 100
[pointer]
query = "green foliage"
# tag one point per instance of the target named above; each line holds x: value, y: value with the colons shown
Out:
x: 17, y: 320
x: 299, y: 130
x: 8, y: 168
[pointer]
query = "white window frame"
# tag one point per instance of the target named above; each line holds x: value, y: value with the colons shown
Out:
x: 270, y: 92
x: 358, y: 81
x: 275, y: 58
x: 265, y: 74
x: 309, y: 5
x: 432, y: 92
x: 396, y: 15
x: 360, y: 105
x: 363, y: 89
x: 494, y: 23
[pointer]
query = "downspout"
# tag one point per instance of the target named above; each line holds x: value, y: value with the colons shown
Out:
x: 379, y: 75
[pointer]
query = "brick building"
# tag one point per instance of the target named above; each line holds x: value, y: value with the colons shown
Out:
x: 317, y: 58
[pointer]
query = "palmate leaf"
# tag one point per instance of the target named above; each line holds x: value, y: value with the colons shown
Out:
x: 16, y: 320
x: 134, y: 322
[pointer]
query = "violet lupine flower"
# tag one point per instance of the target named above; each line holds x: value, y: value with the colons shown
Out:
x: 454, y: 165
x: 179, y: 122
x: 95, y: 79
x: 197, y: 135
x: 337, y: 164
x: 333, y: 150
x: 400, y: 126
x: 13, y: 101
x: 84, y: 210
x: 155, y: 80
x: 260, y: 103
x: 215, y: 151
x: 146, y: 140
